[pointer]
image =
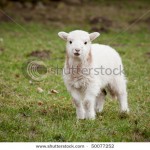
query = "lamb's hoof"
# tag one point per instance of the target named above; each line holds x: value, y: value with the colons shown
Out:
x: 80, y: 117
x: 125, y: 111
x: 124, y: 114
x: 90, y: 117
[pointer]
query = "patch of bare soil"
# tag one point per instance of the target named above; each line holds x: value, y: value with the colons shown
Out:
x: 101, y: 20
x: 1, y: 49
x: 100, y: 16
x: 42, y: 54
x: 147, y: 54
x: 139, y: 135
x: 4, y: 18
x: 100, y: 24
x: 99, y: 29
x: 147, y: 20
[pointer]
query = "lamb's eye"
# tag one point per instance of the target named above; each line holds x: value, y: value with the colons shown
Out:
x: 70, y: 42
x: 85, y: 43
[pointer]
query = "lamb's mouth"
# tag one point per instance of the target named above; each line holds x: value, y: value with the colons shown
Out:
x: 76, y: 54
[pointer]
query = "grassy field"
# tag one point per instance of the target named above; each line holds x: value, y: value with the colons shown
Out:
x: 27, y: 115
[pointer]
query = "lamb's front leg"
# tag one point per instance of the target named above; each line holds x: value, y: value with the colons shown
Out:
x: 89, y: 105
x: 79, y: 105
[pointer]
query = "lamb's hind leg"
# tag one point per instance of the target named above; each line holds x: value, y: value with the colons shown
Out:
x: 100, y: 100
x: 122, y: 97
x: 120, y: 90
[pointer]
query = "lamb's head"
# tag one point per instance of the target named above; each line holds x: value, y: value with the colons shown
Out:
x: 78, y: 43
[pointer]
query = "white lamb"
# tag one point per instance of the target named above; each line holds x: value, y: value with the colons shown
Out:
x: 89, y: 69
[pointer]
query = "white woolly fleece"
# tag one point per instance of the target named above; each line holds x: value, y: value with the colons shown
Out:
x: 89, y: 69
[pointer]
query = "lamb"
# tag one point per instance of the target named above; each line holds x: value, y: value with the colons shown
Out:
x: 90, y: 69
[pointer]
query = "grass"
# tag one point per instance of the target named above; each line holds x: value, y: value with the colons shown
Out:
x: 27, y: 115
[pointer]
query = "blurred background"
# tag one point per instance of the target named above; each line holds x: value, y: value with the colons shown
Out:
x: 34, y: 102
x: 99, y: 15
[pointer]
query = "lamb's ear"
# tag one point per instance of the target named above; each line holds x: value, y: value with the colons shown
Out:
x: 63, y: 35
x: 94, y: 35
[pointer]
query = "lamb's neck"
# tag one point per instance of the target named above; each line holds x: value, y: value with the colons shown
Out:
x: 75, y: 63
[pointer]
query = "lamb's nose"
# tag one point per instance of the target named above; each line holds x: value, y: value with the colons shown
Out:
x: 77, y: 50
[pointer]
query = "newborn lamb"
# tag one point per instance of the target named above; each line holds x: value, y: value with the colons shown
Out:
x: 89, y: 70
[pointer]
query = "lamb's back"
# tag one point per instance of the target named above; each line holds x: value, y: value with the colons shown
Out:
x: 105, y: 56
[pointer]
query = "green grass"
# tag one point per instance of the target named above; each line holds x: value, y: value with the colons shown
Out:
x: 26, y: 115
